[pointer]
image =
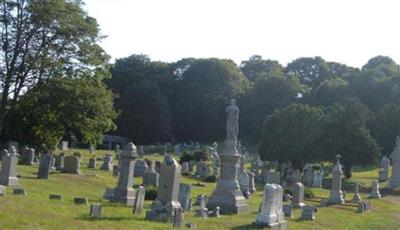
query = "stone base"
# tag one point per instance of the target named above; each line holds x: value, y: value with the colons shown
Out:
x: 230, y: 202
x: 336, y: 197
x: 162, y: 212
x: 275, y: 226
x: 9, y: 181
x: 69, y: 171
x: 126, y: 197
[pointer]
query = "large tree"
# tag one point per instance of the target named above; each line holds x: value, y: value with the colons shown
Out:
x: 41, y: 39
x: 257, y: 68
x: 292, y: 134
x: 61, y: 108
x: 346, y: 134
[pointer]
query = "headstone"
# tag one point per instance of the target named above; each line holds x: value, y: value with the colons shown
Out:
x: 91, y: 149
x: 151, y: 178
x: 9, y: 162
x: 308, y: 213
x: 177, y: 149
x: 244, y: 183
x: 375, y: 194
x: 71, y: 165
x: 19, y: 191
x: 3, y: 190
x: 336, y: 194
x: 185, y: 168
x: 191, y: 226
x: 59, y: 162
x: 287, y: 197
x: 384, y: 173
x: 107, y: 163
x: 115, y: 170
x: 177, y: 218
x: 141, y: 150
x: 44, y: 166
x: 81, y: 200
x: 227, y: 194
x: 252, y: 184
x: 55, y: 197
x: 64, y: 145
x: 308, y: 175
x: 164, y: 207
x: 191, y: 166
x: 124, y: 192
x: 202, y: 211
x: 30, y: 156
x: 139, y: 201
x: 184, y: 196
x: 288, y: 210
x: 394, y: 180
x: 157, y: 166
x: 117, y: 148
x: 95, y: 211
x: 140, y: 168
x: 271, y: 213
x: 272, y: 177
x: 356, y: 197
x: 317, y: 179
x: 364, y: 206
x: 298, y: 195
x: 92, y: 163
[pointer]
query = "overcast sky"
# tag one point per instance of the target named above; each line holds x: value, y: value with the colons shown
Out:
x: 346, y: 31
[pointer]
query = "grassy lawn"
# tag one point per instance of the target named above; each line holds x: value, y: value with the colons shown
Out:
x: 36, y: 211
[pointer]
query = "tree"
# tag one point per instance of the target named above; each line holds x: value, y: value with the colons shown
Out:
x: 346, y: 134
x: 292, y: 134
x: 202, y: 92
x: 382, y: 63
x: 256, y: 68
x: 144, y: 89
x: 63, y: 107
x: 42, y: 39
x: 386, y: 126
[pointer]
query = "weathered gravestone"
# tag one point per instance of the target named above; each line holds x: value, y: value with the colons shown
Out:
x: 184, y: 196
x: 356, y: 197
x: 271, y: 213
x: 107, y: 163
x: 139, y: 200
x: 375, y: 194
x: 308, y: 213
x: 308, y: 175
x: 124, y: 192
x: 115, y: 170
x: 185, y: 168
x: 317, y: 179
x: 394, y: 180
x: 95, y: 211
x: 29, y: 156
x: 244, y: 182
x: 252, y: 184
x: 9, y: 162
x: 140, y: 168
x: 298, y: 195
x: 19, y: 192
x: 384, y: 173
x: 287, y: 210
x: 164, y: 207
x: 92, y: 163
x: 336, y: 194
x: 227, y: 194
x: 71, y: 165
x: 59, y: 162
x: 64, y: 145
x: 81, y: 200
x: 55, y: 197
x: 44, y: 166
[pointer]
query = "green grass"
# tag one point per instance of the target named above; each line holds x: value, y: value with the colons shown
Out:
x: 36, y: 211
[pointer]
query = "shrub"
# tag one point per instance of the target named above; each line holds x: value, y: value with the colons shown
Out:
x: 151, y: 193
x: 201, y: 155
x: 186, y: 157
x: 308, y: 193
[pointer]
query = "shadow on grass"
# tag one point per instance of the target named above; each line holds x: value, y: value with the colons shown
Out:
x: 109, y: 218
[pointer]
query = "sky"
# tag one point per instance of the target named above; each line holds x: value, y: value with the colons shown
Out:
x: 345, y: 31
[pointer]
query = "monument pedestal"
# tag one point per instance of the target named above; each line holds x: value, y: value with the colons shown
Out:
x: 228, y: 195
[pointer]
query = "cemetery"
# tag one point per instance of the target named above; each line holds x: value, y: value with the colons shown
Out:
x: 94, y: 134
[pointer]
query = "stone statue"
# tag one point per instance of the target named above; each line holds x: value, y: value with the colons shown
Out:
x: 232, y: 121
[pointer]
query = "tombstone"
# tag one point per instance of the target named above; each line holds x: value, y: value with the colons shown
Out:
x: 191, y: 226
x: 293, y: 177
x: 363, y: 207
x: 140, y: 168
x: 59, y: 162
x: 199, y: 166
x: 203, y: 170
x: 141, y: 150
x: 92, y: 163
x: 185, y: 168
x: 55, y: 197
x: 157, y: 166
x: 177, y: 149
x: 107, y: 163
x: 272, y: 177
x: 30, y: 156
x: 117, y: 148
x: 356, y: 197
x: 271, y: 213
x: 317, y: 179
x: 243, y: 179
x: 115, y: 170
x: 95, y: 211
x: 308, y: 213
x: 336, y: 194
x: 124, y: 192
x: 139, y: 201
x: 81, y: 200
x: 184, y: 196
x: 287, y: 197
x: 375, y: 194
x: 298, y: 195
x: 19, y: 192
x: 91, y: 149
x: 252, y: 184
x: 64, y: 145
x: 202, y: 211
x: 71, y: 165
x: 44, y: 166
x: 227, y: 195
x: 177, y: 218
x: 394, y: 180
x: 191, y: 166
x: 9, y: 162
x: 308, y: 175
x: 384, y: 173
x: 151, y: 178
x: 288, y: 210
x: 164, y: 207
x: 53, y: 163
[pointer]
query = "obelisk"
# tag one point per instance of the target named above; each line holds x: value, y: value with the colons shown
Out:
x: 227, y: 194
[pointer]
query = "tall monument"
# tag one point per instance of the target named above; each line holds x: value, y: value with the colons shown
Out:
x: 336, y: 194
x: 227, y: 194
x: 394, y: 181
